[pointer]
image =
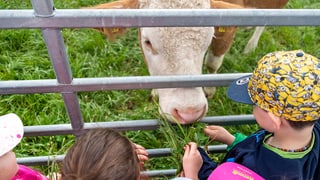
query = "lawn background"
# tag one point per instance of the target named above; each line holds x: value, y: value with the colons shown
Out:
x: 23, y: 56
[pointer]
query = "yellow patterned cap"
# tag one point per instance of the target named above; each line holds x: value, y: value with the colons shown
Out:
x: 286, y: 83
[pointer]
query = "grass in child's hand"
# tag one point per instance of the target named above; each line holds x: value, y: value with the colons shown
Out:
x: 177, y: 136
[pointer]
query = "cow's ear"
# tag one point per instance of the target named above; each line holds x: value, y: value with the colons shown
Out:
x: 113, y: 32
x: 224, y: 5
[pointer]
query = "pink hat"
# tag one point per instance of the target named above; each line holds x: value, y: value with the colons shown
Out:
x: 11, y: 132
x: 234, y: 171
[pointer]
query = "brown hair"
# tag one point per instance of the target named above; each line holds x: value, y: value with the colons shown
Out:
x: 299, y: 125
x: 101, y: 154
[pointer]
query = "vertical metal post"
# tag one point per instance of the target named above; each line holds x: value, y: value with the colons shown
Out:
x: 59, y: 59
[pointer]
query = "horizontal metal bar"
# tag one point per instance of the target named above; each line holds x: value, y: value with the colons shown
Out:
x: 40, y: 160
x: 116, y: 83
x: 161, y: 152
x: 229, y: 120
x: 84, y: 18
x: 159, y: 173
x: 153, y: 153
x: 149, y: 124
x: 63, y: 129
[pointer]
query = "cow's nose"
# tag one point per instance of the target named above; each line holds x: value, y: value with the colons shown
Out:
x: 190, y: 115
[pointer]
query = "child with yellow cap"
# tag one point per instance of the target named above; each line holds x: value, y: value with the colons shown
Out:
x: 285, y: 91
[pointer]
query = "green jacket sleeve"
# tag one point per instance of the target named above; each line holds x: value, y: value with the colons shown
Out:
x: 238, y: 138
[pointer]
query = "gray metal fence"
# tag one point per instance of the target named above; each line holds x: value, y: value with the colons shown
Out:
x: 50, y: 20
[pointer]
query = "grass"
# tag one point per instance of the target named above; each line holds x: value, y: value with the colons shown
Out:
x: 23, y: 56
x: 177, y: 136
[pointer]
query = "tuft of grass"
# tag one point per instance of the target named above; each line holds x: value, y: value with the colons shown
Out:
x: 177, y: 136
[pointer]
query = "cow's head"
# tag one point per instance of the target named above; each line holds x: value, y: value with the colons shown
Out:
x: 173, y: 51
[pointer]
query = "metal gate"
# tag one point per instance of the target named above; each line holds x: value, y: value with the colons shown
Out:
x: 45, y: 17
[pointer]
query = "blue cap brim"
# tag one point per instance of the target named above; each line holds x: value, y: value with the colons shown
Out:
x: 238, y: 90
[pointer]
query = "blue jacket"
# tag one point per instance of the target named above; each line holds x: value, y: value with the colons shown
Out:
x: 252, y: 154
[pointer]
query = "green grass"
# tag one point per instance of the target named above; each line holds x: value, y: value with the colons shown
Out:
x: 23, y: 56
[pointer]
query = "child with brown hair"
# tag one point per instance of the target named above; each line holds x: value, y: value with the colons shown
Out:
x: 102, y: 154
x: 285, y: 91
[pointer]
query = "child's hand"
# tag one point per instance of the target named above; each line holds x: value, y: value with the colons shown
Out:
x: 54, y: 176
x: 141, y: 153
x: 192, y: 161
x: 219, y: 133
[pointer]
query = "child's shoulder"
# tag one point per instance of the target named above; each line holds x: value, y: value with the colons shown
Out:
x: 25, y: 173
x: 249, y: 144
x: 257, y: 136
x: 316, y: 130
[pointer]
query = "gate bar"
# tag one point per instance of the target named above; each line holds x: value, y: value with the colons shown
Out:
x: 147, y: 124
x: 117, y: 83
x: 153, y: 153
x: 88, y: 18
x: 59, y: 59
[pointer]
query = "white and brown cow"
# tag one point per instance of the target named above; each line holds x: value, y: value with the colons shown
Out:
x: 174, y: 51
x: 179, y: 51
x: 224, y: 36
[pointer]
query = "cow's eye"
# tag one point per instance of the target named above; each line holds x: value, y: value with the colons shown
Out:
x: 148, y: 44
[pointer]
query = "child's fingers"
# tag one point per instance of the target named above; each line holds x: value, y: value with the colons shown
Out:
x: 182, y: 174
x: 137, y: 146
x: 186, y: 150
x: 142, y: 157
x: 212, y: 127
x: 141, y: 152
x: 214, y: 132
x: 193, y: 147
x: 210, y: 130
x: 140, y: 149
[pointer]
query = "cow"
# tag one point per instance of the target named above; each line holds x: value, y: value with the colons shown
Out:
x: 180, y: 51
x: 224, y: 36
x: 270, y: 4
